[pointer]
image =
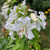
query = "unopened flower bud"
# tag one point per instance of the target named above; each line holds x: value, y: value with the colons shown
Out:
x: 33, y: 16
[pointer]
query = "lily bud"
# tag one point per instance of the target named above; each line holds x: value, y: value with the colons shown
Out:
x: 9, y: 1
x: 30, y: 10
x: 33, y: 16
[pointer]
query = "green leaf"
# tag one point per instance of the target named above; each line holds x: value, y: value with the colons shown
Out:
x: 8, y: 12
x: 35, y: 44
x: 9, y: 42
x: 39, y: 48
x: 39, y: 19
x: 19, y: 15
x: 25, y: 14
x: 22, y: 42
x: 26, y: 46
x: 15, y: 47
x: 14, y: 1
x: 47, y: 49
x: 10, y: 46
x: 24, y: 8
x: 17, y: 10
x: 36, y: 33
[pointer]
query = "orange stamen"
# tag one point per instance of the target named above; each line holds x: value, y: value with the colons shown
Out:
x: 27, y: 8
x: 23, y: 29
x: 7, y: 35
x: 4, y: 30
x: 19, y: 31
x: 26, y: 33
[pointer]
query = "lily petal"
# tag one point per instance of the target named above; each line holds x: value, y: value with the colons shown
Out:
x: 30, y: 34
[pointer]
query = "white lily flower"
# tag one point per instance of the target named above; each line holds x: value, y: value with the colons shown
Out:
x: 12, y: 17
x: 24, y: 26
x: 4, y: 11
x: 38, y: 24
x: 13, y: 14
x: 9, y: 24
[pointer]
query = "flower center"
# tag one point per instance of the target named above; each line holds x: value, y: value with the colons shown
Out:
x: 22, y: 31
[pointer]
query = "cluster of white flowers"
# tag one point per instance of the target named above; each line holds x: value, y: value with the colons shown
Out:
x: 22, y: 25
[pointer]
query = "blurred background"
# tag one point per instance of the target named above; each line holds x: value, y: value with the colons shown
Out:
x: 38, y: 5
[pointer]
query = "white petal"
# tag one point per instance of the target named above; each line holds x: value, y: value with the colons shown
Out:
x: 9, y: 26
x: 21, y: 33
x: 43, y: 24
x: 24, y: 2
x: 11, y: 34
x: 30, y: 10
x: 42, y: 16
x: 5, y: 6
x: 30, y: 34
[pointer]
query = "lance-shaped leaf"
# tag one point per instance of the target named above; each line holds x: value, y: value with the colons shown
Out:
x: 35, y: 44
x: 36, y: 33
x: 22, y: 42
